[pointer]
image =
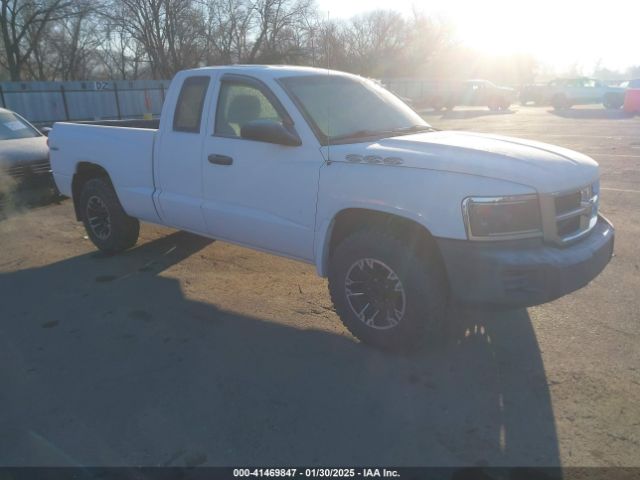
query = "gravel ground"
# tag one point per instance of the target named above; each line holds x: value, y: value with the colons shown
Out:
x: 185, y: 351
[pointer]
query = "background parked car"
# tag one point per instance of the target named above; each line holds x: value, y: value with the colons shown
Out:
x: 533, y: 92
x: 467, y: 93
x: 635, y: 83
x: 565, y: 92
x: 24, y: 155
x: 475, y: 93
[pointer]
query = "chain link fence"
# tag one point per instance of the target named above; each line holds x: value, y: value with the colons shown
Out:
x: 43, y: 103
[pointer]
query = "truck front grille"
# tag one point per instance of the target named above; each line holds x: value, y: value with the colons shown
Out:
x: 566, y: 203
x: 23, y: 171
x: 575, y: 214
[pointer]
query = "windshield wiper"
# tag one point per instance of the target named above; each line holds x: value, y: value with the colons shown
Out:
x: 377, y: 133
x: 356, y: 134
x: 414, y: 129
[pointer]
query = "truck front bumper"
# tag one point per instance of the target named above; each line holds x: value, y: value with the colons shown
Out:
x: 525, y: 272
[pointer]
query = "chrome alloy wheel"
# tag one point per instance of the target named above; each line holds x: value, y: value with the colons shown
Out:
x: 375, y: 293
x: 98, y: 217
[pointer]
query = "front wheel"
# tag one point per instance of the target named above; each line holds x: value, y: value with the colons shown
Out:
x: 386, y: 294
x: 107, y: 225
x: 560, y: 102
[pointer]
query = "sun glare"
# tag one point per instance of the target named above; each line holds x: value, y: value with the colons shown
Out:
x: 560, y: 34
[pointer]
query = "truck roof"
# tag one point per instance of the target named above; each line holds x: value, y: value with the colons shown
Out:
x: 272, y: 71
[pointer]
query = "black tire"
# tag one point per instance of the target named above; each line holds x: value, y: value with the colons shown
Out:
x: 438, y: 104
x: 560, y: 102
x: 424, y: 296
x: 612, y: 101
x: 107, y: 225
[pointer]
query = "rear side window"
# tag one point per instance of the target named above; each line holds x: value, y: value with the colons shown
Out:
x: 188, y: 112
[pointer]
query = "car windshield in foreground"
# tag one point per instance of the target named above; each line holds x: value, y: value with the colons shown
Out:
x: 342, y: 109
x: 13, y: 127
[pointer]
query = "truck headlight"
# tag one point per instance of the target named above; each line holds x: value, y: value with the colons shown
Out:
x: 501, y: 218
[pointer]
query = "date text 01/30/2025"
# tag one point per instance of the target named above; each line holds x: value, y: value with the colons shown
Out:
x: 316, y: 472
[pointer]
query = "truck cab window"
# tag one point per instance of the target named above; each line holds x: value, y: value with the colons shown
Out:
x: 239, y: 104
x: 188, y: 112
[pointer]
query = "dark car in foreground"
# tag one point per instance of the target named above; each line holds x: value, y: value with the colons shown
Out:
x: 24, y: 155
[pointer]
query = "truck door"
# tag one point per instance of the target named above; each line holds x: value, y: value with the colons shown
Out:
x: 575, y: 90
x: 178, y: 155
x: 256, y: 193
x: 598, y: 91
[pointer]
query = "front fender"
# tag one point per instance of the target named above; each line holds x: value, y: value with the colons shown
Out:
x: 430, y: 198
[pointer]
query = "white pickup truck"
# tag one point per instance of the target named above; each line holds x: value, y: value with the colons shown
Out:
x: 331, y: 169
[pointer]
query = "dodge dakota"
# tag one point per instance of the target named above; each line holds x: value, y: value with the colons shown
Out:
x: 331, y: 169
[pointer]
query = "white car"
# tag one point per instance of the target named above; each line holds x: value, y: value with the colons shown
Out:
x: 24, y: 156
x: 331, y: 169
x: 564, y: 93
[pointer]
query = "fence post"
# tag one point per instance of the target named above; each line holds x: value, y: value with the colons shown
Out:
x: 64, y: 102
x: 4, y: 104
x: 115, y: 92
x: 162, y: 91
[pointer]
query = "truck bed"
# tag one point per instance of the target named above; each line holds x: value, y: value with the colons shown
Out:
x: 126, y: 153
x: 152, y: 124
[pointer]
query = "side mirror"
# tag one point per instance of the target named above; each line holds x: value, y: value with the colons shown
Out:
x: 45, y: 131
x: 271, y: 132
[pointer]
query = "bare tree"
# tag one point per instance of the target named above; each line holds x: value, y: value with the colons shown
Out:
x: 121, y: 57
x: 275, y: 20
x: 380, y: 34
x: 227, y: 30
x: 128, y: 39
x: 170, y: 32
x: 633, y: 72
x: 22, y: 24
x: 66, y: 49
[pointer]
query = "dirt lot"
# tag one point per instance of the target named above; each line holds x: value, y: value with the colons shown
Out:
x: 185, y: 351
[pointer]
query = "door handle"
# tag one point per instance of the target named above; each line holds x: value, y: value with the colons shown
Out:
x: 220, y: 159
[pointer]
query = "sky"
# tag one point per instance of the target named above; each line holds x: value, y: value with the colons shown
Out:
x: 560, y: 33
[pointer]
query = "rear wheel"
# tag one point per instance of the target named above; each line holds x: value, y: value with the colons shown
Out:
x: 612, y: 101
x: 437, y: 103
x: 386, y: 294
x: 107, y: 225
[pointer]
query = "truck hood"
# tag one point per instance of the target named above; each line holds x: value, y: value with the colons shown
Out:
x: 22, y: 151
x: 547, y: 168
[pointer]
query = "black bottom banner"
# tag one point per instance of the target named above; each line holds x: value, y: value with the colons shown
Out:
x: 403, y: 473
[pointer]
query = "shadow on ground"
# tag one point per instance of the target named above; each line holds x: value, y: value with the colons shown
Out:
x: 123, y: 369
x: 592, y: 113
x: 16, y: 199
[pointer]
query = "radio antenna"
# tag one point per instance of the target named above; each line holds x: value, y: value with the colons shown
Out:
x: 327, y: 43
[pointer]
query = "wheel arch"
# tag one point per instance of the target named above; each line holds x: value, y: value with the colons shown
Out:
x: 85, y: 171
x: 349, y: 220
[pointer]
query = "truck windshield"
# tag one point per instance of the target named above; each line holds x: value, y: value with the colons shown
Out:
x: 13, y: 126
x: 344, y: 109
